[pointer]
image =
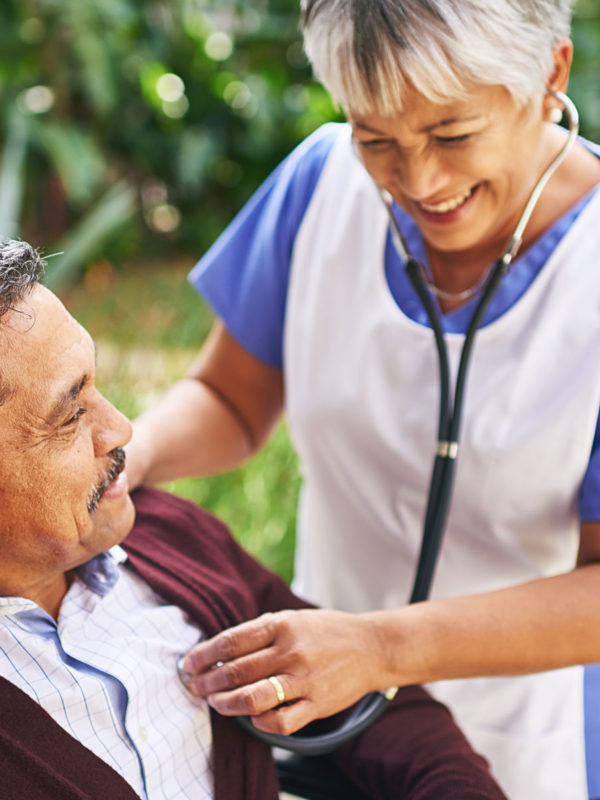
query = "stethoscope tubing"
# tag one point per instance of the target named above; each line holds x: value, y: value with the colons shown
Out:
x: 444, y: 465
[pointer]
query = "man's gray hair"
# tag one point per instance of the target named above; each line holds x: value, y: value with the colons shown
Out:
x: 367, y: 52
x: 21, y: 268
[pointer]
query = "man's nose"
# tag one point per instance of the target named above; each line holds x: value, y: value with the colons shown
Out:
x: 113, y: 429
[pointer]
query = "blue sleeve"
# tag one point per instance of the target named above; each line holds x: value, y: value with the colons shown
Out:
x: 244, y: 276
x: 589, y: 497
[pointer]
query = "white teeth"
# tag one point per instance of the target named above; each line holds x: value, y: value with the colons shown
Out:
x: 447, y: 205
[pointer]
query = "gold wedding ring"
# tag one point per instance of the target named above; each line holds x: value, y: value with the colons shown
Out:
x: 276, y: 684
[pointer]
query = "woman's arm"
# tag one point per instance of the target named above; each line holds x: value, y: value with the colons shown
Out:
x: 327, y: 660
x: 212, y: 420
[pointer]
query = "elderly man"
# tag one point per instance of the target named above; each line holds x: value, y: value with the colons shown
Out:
x: 90, y: 633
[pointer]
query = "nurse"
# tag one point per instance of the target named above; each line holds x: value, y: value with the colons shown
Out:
x: 451, y: 110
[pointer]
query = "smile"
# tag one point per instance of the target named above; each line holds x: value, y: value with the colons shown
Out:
x: 448, y: 205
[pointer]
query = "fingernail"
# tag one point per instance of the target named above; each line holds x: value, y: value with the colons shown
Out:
x: 184, y: 676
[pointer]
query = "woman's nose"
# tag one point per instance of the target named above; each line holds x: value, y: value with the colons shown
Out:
x: 421, y: 176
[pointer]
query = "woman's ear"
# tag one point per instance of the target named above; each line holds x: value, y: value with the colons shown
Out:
x: 562, y: 56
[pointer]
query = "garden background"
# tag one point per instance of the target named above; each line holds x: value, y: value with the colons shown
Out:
x: 131, y: 131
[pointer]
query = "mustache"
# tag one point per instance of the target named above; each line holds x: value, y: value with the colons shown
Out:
x: 117, y: 465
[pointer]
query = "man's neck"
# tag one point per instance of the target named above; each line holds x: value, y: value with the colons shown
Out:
x: 49, y: 596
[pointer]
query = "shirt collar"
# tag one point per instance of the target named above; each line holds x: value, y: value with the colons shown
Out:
x: 101, y: 573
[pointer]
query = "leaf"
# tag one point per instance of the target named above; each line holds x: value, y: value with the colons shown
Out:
x: 112, y: 211
x: 11, y: 175
x: 74, y: 155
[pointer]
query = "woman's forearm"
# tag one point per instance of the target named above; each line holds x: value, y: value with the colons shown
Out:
x: 211, y: 421
x: 191, y: 431
x: 541, y: 625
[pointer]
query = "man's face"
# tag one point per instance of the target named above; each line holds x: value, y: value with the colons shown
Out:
x: 63, y: 498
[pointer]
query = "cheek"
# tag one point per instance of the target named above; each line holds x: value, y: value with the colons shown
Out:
x: 477, y: 163
x: 36, y: 532
x: 382, y: 167
x: 59, y: 485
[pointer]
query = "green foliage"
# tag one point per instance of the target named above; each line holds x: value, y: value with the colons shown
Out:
x: 186, y: 104
x: 11, y: 175
x: 101, y: 220
x: 584, y: 86
x: 189, y: 102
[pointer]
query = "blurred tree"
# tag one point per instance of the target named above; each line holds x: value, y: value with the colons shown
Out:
x: 163, y: 113
x: 585, y: 77
x: 189, y: 102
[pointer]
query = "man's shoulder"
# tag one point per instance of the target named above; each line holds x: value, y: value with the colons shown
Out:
x: 162, y: 517
x: 190, y: 558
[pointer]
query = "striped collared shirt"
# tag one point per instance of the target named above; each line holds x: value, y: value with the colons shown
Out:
x: 106, y: 672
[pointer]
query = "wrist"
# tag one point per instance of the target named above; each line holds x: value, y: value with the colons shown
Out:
x: 403, y: 646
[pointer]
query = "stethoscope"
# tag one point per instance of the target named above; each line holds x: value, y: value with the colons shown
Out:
x: 370, y: 707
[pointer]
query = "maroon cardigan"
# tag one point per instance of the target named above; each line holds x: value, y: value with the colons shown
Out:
x: 189, y: 558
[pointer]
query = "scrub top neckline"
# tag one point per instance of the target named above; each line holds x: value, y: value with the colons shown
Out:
x: 522, y: 274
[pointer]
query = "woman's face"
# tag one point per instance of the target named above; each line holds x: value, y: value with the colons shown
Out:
x: 462, y: 170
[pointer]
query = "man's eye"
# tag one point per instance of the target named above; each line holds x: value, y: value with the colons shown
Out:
x: 79, y: 413
x: 448, y: 141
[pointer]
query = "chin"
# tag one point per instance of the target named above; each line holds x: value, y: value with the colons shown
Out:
x: 113, y: 520
x: 454, y: 241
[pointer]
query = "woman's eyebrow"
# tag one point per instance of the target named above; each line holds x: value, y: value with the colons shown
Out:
x: 448, y: 121
x: 426, y: 129
x: 364, y: 127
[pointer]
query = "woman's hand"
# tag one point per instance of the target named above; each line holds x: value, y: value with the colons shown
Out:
x: 323, y: 661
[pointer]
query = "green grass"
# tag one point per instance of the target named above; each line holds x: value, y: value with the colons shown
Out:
x: 148, y: 324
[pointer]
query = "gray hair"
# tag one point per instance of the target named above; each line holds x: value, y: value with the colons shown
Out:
x: 367, y: 52
x: 21, y: 267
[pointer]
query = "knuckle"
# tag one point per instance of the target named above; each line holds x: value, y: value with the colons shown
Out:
x: 282, y: 724
x: 252, y: 701
x: 226, y: 645
x: 298, y: 660
x: 285, y: 619
x: 232, y: 674
x: 268, y: 624
x: 301, y: 655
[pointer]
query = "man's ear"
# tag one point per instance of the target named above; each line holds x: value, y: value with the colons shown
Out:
x: 562, y: 55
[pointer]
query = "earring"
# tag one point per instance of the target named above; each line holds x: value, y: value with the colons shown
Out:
x: 556, y: 115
